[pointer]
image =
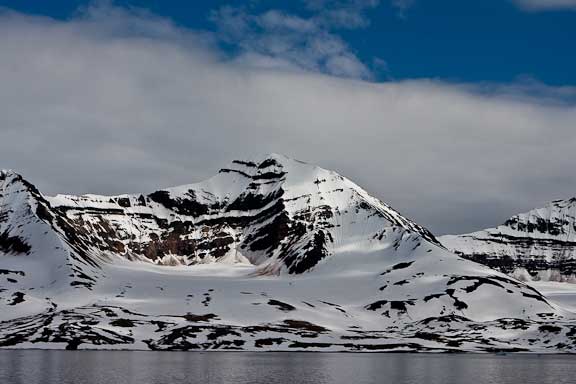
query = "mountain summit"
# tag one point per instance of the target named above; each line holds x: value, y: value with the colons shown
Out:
x: 276, y: 213
x: 269, y: 254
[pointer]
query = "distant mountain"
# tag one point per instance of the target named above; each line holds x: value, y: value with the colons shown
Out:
x: 269, y: 254
x: 536, y: 245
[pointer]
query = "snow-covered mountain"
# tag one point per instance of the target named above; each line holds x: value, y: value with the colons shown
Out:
x: 277, y: 213
x: 271, y: 254
x: 536, y: 245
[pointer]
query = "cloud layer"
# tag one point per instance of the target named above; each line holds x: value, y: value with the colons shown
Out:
x: 114, y: 102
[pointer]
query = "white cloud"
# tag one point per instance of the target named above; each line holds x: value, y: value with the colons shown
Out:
x: 276, y: 38
x: 120, y: 102
x: 546, y: 5
x: 345, y: 14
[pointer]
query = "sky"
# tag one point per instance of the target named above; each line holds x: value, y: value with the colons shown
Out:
x: 458, y: 114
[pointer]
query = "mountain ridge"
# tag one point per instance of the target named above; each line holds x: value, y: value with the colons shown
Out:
x: 255, y: 189
x: 268, y: 255
x: 536, y: 245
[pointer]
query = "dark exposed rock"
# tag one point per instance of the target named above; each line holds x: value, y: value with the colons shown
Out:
x: 549, y: 328
x: 127, y: 323
x: 400, y: 305
x: 250, y: 201
x: 397, y: 266
x: 221, y: 331
x: 314, y: 251
x: 13, y: 244
x: 433, y: 296
x: 10, y: 272
x: 281, y: 305
x: 200, y: 318
x: 478, y: 281
x: 304, y: 325
x: 124, y: 202
x: 271, y: 235
x: 188, y: 206
x: 246, y: 163
x: 17, y: 298
x: 376, y: 305
x: 269, y: 341
x: 300, y: 344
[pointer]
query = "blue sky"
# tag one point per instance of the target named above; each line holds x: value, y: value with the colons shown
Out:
x: 453, y: 40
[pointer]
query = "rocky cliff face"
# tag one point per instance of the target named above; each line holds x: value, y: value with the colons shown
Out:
x: 271, y: 254
x: 536, y: 245
x: 276, y: 213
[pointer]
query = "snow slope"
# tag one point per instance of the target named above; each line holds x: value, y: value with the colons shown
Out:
x: 539, y: 245
x: 269, y: 254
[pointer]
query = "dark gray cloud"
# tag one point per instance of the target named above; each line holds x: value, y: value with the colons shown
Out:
x: 114, y: 102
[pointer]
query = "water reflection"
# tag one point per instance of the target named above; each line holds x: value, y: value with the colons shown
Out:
x: 119, y: 367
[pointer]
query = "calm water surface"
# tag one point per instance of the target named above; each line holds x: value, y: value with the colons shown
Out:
x: 103, y: 367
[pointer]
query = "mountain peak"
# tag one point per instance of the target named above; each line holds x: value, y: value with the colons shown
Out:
x: 8, y: 173
x: 263, y: 164
x: 272, y: 211
x: 271, y: 245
